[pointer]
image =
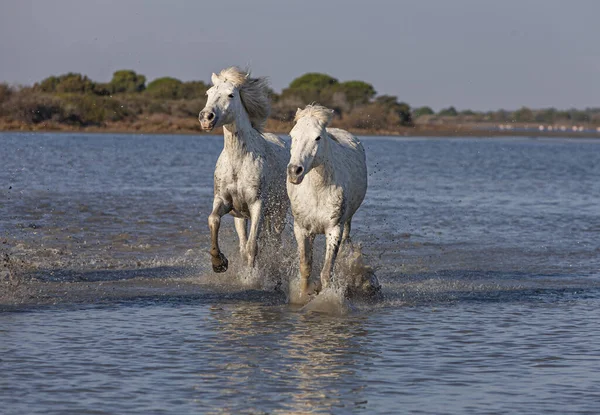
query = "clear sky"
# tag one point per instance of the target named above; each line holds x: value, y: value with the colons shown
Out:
x: 478, y: 54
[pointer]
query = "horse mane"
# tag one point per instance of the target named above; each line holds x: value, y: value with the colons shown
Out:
x: 321, y: 113
x: 254, y: 93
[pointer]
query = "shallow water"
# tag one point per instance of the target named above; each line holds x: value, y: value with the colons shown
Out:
x: 488, y: 252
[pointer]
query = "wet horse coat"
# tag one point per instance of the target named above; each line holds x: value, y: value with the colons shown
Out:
x: 249, y: 180
x: 327, y: 182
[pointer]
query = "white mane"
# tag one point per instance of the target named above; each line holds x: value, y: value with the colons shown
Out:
x: 254, y: 93
x: 321, y: 113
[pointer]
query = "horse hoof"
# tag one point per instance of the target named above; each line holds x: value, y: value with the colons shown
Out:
x: 220, y: 263
x: 314, y: 288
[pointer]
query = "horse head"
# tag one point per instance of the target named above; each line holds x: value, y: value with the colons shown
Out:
x: 235, y: 94
x: 308, y: 138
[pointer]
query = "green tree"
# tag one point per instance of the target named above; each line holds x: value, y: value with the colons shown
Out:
x: 545, y: 115
x: 127, y: 81
x: 66, y: 83
x: 311, y: 87
x: 48, y: 84
x: 193, y: 90
x: 523, y: 114
x: 579, y: 116
x: 422, y: 111
x: 5, y: 92
x: 448, y: 112
x: 313, y: 81
x: 102, y: 88
x: 165, y: 88
x: 356, y: 92
x: 75, y: 83
x: 401, y: 110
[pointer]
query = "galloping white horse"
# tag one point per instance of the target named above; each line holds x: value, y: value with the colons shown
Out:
x: 327, y: 182
x: 250, y: 172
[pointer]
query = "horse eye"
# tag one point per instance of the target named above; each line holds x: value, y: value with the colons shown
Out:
x: 230, y: 95
x: 318, y: 138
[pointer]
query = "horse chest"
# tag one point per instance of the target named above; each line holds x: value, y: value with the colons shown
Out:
x: 317, y: 209
x: 239, y: 190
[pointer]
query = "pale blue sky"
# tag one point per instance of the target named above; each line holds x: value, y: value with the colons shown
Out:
x: 475, y: 54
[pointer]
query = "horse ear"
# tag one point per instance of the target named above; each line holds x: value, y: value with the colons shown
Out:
x: 296, y: 117
x: 214, y: 78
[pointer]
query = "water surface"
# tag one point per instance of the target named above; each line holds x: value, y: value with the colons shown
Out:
x: 487, y: 250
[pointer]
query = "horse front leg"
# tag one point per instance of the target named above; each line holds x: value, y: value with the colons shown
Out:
x: 304, y: 240
x: 256, y: 222
x: 219, y: 261
x: 333, y: 239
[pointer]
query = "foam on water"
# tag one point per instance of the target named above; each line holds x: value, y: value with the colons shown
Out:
x: 40, y: 275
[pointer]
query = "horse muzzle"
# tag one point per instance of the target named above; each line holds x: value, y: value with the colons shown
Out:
x: 207, y: 125
x: 208, y: 120
x: 295, y: 174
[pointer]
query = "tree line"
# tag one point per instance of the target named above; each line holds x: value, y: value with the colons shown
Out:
x: 77, y: 100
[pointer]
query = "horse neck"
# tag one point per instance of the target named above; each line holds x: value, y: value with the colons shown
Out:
x: 240, y: 136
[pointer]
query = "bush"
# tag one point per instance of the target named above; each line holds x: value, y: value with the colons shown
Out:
x: 448, y: 112
x: 194, y: 90
x: 127, y: 81
x: 419, y: 112
x: 102, y: 89
x: 313, y: 81
x: 371, y: 116
x: 5, y: 92
x: 399, y: 111
x: 165, y: 88
x: 311, y: 87
x: 188, y: 108
x: 91, y: 110
x: 157, y: 107
x: 67, y: 83
x: 355, y: 92
x: 523, y: 115
x: 32, y: 108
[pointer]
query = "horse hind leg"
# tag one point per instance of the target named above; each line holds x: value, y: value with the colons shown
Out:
x: 241, y: 227
x: 346, y: 232
x: 256, y: 224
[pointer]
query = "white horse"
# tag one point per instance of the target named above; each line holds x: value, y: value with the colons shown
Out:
x: 327, y: 182
x: 249, y: 178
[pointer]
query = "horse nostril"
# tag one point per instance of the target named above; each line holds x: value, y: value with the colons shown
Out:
x: 299, y: 170
x: 210, y: 116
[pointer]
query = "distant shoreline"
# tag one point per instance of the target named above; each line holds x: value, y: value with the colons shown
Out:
x: 187, y: 128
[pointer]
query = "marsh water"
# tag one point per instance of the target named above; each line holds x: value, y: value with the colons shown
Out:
x: 487, y: 250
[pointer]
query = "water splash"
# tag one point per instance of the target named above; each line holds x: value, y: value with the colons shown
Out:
x: 354, y: 282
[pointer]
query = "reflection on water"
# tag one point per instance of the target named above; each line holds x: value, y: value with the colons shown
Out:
x: 299, y: 362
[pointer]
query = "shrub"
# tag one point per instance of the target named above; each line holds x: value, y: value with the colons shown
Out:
x: 194, y: 90
x: 165, y: 88
x: 32, y: 108
x: 5, y: 92
x: 419, y: 112
x: 127, y: 81
x: 448, y: 112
